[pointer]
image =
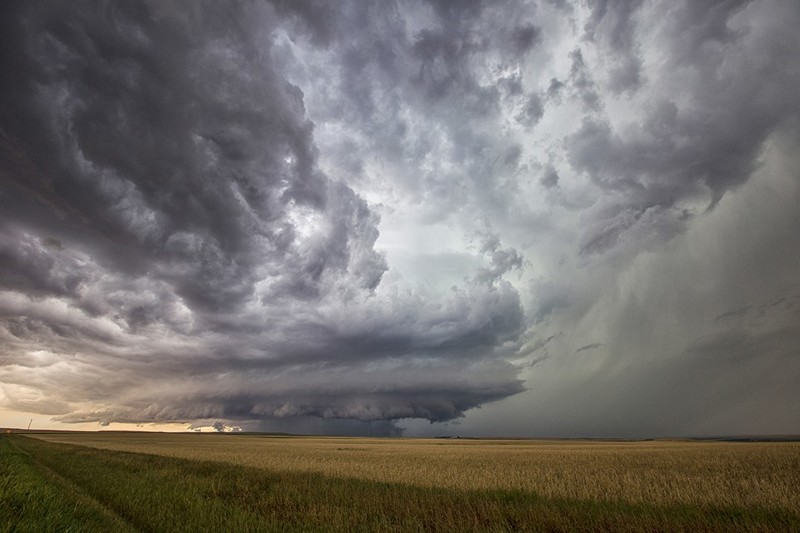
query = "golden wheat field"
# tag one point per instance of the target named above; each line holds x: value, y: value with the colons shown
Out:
x: 745, y: 474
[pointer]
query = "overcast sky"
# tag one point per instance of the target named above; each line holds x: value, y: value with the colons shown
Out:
x: 543, y: 218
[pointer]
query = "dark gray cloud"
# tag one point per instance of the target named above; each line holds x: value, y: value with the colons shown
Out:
x: 532, y: 111
x: 591, y: 346
x: 582, y: 82
x: 689, y: 146
x: 305, y: 216
x: 550, y: 177
x: 173, y: 251
x: 611, y: 24
x: 525, y: 37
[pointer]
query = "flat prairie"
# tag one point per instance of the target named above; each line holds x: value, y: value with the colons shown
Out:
x: 741, y: 475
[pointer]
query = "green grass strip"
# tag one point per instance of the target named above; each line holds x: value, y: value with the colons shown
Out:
x: 33, y: 498
x: 166, y: 494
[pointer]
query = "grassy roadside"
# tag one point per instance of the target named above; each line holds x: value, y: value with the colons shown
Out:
x: 33, y: 498
x: 168, y: 494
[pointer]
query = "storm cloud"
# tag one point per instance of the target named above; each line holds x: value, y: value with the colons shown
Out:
x: 361, y: 216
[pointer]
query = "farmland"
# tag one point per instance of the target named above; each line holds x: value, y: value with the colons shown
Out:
x: 165, y: 481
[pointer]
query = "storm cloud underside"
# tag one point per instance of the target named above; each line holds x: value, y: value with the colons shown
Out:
x: 352, y: 217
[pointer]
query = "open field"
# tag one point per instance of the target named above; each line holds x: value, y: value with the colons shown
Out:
x: 160, y: 481
x: 717, y: 473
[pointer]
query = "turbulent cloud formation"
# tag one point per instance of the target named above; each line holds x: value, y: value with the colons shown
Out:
x: 360, y: 216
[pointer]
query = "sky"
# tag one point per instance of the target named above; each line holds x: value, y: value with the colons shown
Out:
x: 481, y: 218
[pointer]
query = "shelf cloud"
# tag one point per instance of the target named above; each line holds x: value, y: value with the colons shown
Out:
x: 356, y: 217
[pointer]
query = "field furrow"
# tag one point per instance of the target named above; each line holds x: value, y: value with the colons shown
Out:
x: 34, y: 497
